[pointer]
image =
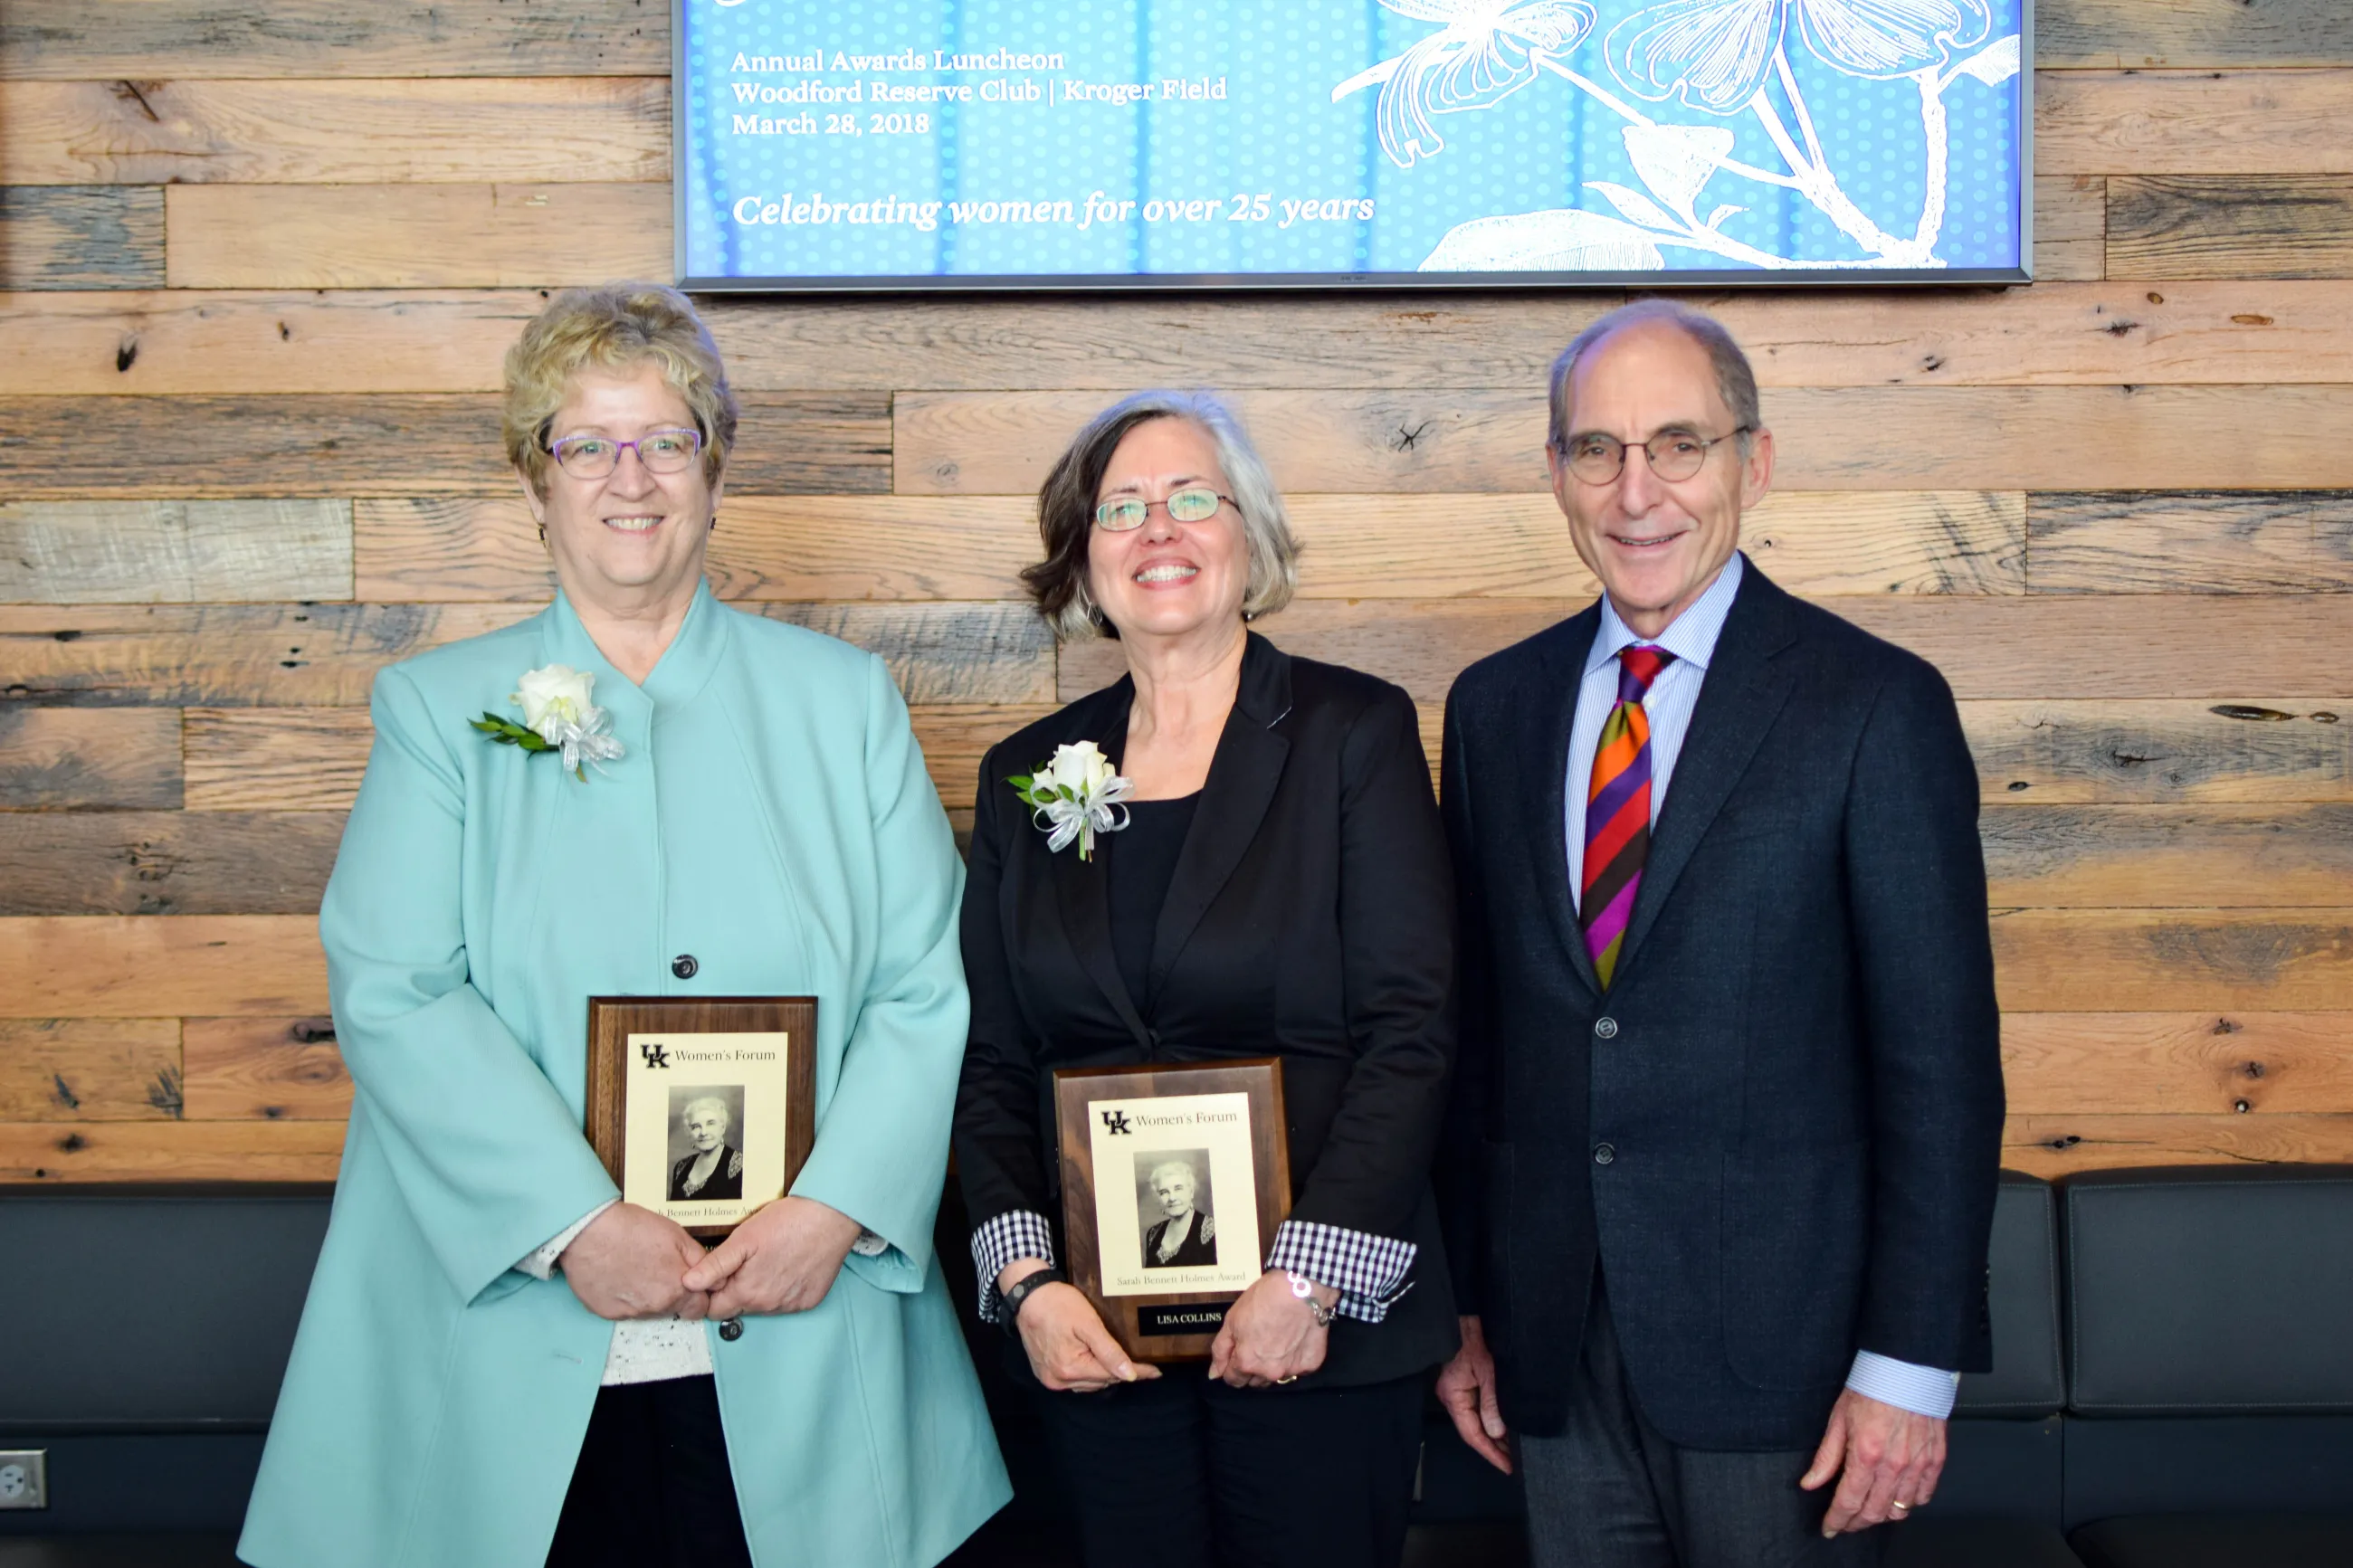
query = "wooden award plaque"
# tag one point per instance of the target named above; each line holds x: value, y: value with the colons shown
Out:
x: 1174, y: 1179
x: 702, y: 1108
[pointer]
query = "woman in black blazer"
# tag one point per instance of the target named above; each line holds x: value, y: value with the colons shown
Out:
x: 1280, y: 888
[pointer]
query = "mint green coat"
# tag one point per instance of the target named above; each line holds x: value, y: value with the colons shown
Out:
x: 772, y: 817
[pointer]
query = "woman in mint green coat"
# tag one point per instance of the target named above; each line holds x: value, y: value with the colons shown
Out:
x: 500, y: 1362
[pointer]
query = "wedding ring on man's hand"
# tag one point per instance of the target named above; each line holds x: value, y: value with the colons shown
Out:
x: 1292, y: 1378
x: 1901, y: 1507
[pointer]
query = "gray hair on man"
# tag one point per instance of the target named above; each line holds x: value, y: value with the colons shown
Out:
x: 1736, y: 382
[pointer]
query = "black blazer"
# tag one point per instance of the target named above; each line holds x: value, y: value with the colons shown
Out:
x: 1778, y: 1133
x: 1308, y: 919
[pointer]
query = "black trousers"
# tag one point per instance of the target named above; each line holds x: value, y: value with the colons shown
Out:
x: 1612, y: 1492
x: 1185, y: 1472
x: 652, y: 1488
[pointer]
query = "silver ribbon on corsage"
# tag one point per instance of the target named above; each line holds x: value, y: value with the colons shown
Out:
x: 1076, y: 795
x: 557, y: 717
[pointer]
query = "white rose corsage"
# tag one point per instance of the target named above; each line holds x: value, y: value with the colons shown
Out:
x: 1075, y: 795
x: 556, y: 716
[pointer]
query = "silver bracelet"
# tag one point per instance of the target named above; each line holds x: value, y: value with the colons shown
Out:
x: 1305, y: 1289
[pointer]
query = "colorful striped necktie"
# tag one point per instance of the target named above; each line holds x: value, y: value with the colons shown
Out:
x: 1618, y: 812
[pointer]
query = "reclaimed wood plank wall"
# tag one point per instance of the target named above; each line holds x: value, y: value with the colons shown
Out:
x: 262, y: 261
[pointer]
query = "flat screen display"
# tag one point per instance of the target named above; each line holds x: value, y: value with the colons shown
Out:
x: 978, y: 144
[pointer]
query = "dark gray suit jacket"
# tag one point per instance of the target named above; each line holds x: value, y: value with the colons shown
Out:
x: 1778, y: 1134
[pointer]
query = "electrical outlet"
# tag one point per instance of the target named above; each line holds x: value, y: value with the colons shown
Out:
x: 24, y: 1477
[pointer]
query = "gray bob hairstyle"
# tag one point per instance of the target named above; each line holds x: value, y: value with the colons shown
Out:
x: 1735, y: 383
x: 1066, y: 510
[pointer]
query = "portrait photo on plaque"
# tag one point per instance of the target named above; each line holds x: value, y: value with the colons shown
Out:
x: 1158, y: 1229
x: 701, y: 1109
x: 1173, y: 1201
x: 705, y: 1142
x: 1174, y: 1178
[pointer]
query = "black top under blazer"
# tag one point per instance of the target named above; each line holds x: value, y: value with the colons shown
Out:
x: 1796, y: 1071
x: 1310, y: 919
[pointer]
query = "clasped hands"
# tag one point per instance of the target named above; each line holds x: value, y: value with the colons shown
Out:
x: 1270, y: 1336
x: 1885, y: 1459
x: 631, y: 1262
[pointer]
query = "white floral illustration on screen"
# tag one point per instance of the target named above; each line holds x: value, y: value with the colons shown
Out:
x: 1705, y: 64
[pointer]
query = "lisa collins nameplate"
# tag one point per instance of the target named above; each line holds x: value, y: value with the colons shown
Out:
x: 1174, y: 1179
x: 702, y: 1108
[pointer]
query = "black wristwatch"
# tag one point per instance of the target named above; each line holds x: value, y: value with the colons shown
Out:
x: 1013, y: 1295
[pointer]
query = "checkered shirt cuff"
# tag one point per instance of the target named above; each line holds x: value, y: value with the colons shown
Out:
x: 1369, y: 1271
x: 1016, y: 1233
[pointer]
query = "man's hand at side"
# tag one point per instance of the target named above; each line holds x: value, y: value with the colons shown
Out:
x: 1466, y: 1386
x: 631, y: 1262
x: 1891, y: 1460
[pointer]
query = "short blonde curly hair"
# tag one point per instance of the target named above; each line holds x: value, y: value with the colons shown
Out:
x: 614, y: 327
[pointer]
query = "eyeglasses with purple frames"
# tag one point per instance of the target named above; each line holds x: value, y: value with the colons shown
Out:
x: 595, y: 456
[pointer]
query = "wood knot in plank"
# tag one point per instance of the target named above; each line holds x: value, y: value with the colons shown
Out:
x: 165, y: 1093
x: 1404, y: 440
x: 2251, y: 319
x: 130, y: 89
x: 64, y: 1092
x: 126, y: 353
x: 2252, y: 714
x: 310, y: 1031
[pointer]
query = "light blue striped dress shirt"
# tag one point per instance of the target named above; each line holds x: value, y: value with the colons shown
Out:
x: 1691, y: 637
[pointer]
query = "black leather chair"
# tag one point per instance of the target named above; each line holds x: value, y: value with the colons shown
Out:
x: 158, y: 1323
x: 2210, y: 1323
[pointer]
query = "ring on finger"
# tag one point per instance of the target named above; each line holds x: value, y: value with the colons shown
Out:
x: 1901, y: 1507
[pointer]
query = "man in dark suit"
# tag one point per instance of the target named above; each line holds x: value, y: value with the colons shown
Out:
x: 1720, y: 1167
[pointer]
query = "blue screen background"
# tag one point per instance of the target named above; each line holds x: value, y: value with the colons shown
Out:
x: 1277, y: 133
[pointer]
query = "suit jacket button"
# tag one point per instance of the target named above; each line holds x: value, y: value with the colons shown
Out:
x: 732, y: 1330
x: 1607, y: 1028
x: 1603, y: 1153
x: 684, y: 966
